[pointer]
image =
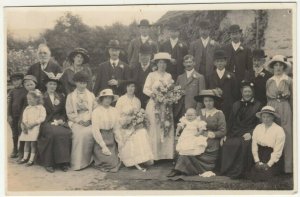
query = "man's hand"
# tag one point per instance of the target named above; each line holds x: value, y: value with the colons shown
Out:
x: 113, y: 82
x: 247, y: 136
x: 222, y: 140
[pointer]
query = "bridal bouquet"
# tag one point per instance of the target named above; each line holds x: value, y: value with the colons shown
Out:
x: 135, y: 119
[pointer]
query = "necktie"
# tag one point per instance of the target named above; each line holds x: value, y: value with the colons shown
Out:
x: 114, y: 65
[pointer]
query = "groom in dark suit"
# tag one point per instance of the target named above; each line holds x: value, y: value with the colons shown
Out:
x: 112, y: 73
x: 44, y: 64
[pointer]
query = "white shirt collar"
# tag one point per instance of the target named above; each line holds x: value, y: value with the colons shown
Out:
x: 144, y: 67
x: 144, y: 38
x: 173, y: 42
x: 114, y: 61
x: 44, y: 65
x: 235, y: 45
x: 189, y: 73
x: 258, y: 71
x: 220, y: 73
x: 211, y: 112
x: 205, y: 41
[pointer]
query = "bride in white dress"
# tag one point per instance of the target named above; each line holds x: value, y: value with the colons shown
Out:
x: 162, y: 149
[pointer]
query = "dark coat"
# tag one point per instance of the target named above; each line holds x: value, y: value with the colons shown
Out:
x: 55, y: 111
x: 140, y: 76
x: 106, y: 72
x: 16, y: 100
x: 40, y: 75
x: 229, y: 88
x: 260, y: 85
x: 177, y: 53
x: 239, y: 62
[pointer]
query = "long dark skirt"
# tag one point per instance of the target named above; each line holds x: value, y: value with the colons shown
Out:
x: 54, y: 145
x: 264, y: 154
x: 107, y: 163
x: 237, y: 158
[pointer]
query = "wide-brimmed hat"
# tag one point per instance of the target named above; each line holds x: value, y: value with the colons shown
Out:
x: 279, y: 58
x: 52, y: 77
x: 146, y: 49
x: 220, y: 54
x: 109, y: 93
x: 162, y: 56
x: 207, y: 93
x: 144, y: 22
x: 30, y: 77
x: 81, y: 51
x: 173, y: 26
x: 204, y: 25
x: 115, y: 44
x: 258, y: 53
x: 81, y: 77
x: 269, y: 110
x: 235, y: 29
x: 17, y: 76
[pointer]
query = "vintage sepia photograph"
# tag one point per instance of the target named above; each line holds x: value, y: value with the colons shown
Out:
x: 173, y: 98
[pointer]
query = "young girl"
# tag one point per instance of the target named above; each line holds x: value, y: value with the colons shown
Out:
x: 33, y: 115
x: 192, y: 140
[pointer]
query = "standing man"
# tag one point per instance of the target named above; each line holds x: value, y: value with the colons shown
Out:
x: 203, y: 50
x: 44, y: 64
x: 239, y: 56
x: 259, y: 76
x: 192, y: 83
x: 141, y: 72
x: 135, y: 44
x: 176, y: 48
x: 112, y: 73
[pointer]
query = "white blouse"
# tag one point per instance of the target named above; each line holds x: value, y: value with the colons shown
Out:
x: 273, y: 137
x: 154, y: 79
x: 125, y: 104
x: 106, y: 119
x: 34, y: 114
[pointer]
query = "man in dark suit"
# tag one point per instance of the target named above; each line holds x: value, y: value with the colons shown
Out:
x: 203, y: 49
x: 239, y: 56
x: 135, y: 44
x: 112, y: 73
x: 259, y: 76
x: 45, y: 64
x: 223, y: 81
x: 192, y: 83
x: 176, y: 48
x: 141, y: 72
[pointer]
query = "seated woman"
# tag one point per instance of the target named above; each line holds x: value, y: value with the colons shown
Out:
x: 204, y: 163
x: 236, y: 158
x: 54, y: 142
x: 105, y: 124
x: 79, y: 107
x: 267, y: 145
x: 136, y: 147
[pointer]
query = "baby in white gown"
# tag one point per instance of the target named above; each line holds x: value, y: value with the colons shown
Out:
x: 192, y: 140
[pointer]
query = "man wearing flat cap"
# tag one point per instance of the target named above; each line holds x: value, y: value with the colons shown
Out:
x: 112, y: 73
x: 203, y: 50
x: 176, y: 48
x: 135, y: 44
x: 259, y: 75
x: 239, y: 56
x: 45, y: 64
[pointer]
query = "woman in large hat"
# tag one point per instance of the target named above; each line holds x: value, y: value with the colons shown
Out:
x: 54, y: 142
x: 279, y: 95
x: 105, y: 125
x: 267, y: 145
x: 205, y: 163
x: 78, y: 60
x: 161, y: 133
x: 236, y: 151
x: 79, y: 106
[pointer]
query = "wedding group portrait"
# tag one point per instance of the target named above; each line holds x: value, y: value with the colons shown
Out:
x: 157, y: 97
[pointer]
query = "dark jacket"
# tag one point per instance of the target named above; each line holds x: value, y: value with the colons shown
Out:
x: 56, y: 110
x: 16, y: 100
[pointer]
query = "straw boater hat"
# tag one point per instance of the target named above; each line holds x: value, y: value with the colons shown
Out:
x: 30, y: 77
x: 279, y: 58
x: 269, y: 110
x: 81, y: 51
x: 208, y: 93
x: 109, y: 93
x: 162, y: 56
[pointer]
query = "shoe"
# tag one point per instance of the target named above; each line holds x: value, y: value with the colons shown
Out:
x: 29, y: 163
x: 174, y: 173
x: 14, y: 154
x: 64, y: 168
x: 22, y: 161
x: 49, y: 169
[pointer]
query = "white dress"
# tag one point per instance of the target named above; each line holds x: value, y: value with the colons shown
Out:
x: 165, y: 149
x: 33, y: 115
x: 188, y: 142
x: 136, y: 147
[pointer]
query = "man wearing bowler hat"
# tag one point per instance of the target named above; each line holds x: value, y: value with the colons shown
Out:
x: 259, y: 75
x: 239, y: 56
x: 203, y: 50
x: 176, y: 48
x: 141, y: 72
x: 112, y: 73
x: 135, y: 44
